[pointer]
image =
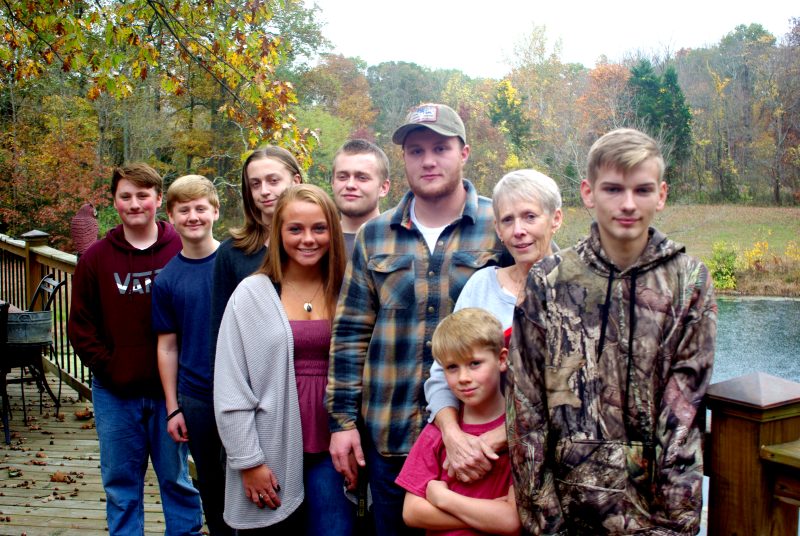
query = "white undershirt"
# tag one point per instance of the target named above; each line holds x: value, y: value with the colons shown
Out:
x: 430, y: 234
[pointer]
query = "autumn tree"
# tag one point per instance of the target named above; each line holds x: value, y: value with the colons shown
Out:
x: 184, y: 85
x: 777, y: 110
x: 490, y: 157
x: 550, y: 89
x: 48, y: 167
x: 332, y: 131
x: 506, y: 113
x: 339, y: 86
x: 607, y: 102
x: 397, y: 86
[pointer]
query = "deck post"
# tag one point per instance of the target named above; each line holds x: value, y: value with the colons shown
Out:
x: 748, y: 412
x: 34, y: 272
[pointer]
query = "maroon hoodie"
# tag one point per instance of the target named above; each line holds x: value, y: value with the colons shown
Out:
x: 110, y: 324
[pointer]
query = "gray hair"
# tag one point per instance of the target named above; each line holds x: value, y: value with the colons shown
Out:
x: 527, y: 185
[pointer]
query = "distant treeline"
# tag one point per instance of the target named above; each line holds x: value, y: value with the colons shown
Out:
x: 85, y: 86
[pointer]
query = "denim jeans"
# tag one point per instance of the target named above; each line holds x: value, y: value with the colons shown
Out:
x: 329, y: 510
x: 206, y: 449
x: 130, y: 430
x: 387, y: 497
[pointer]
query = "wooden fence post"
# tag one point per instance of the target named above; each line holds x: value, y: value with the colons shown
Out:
x: 34, y: 272
x: 746, y: 413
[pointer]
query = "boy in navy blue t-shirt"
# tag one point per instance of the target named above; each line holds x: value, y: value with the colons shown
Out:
x: 181, y: 312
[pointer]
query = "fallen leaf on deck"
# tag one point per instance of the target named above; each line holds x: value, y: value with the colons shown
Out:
x: 58, y: 476
x: 84, y: 414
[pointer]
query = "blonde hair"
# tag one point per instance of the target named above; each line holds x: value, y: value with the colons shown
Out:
x: 189, y: 188
x: 334, y: 261
x: 458, y: 336
x: 253, y: 233
x: 623, y: 149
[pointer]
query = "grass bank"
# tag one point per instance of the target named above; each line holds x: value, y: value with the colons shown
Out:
x: 764, y: 241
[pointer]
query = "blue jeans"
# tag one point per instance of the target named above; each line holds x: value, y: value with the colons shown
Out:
x: 206, y: 449
x: 387, y: 497
x: 130, y: 430
x: 328, y: 509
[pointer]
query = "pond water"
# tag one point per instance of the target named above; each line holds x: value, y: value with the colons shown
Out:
x: 757, y: 334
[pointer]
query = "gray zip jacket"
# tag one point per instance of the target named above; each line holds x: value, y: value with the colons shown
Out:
x: 255, y: 401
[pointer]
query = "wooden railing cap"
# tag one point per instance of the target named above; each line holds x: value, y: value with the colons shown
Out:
x: 35, y: 234
x: 757, y: 390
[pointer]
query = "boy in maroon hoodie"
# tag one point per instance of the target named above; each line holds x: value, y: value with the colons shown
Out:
x: 110, y: 330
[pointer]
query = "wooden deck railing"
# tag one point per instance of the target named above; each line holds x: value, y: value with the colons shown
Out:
x: 23, y: 263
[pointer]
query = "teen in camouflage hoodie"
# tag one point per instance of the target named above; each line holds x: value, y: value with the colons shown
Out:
x: 607, y: 372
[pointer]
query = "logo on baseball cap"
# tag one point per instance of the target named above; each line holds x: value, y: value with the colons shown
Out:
x: 440, y: 118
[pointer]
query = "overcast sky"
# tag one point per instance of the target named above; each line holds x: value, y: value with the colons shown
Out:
x: 478, y: 38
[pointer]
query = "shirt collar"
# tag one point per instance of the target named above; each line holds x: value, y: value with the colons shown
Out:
x: 402, y: 213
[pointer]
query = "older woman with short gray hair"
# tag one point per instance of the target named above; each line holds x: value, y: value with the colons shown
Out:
x: 527, y: 209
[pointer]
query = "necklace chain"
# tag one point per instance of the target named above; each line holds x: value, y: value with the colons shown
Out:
x: 307, y: 305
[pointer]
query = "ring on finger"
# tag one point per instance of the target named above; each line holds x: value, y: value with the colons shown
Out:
x: 260, y: 497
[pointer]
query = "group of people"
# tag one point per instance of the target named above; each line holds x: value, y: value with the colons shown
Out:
x: 440, y: 367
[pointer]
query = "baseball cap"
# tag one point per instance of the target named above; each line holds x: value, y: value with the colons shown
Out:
x: 440, y: 118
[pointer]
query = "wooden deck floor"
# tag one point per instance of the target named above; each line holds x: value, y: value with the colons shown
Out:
x: 33, y: 502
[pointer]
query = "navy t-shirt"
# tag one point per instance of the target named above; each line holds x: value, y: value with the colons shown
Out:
x: 182, y: 305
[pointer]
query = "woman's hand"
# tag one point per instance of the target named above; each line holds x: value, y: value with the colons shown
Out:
x: 261, y: 486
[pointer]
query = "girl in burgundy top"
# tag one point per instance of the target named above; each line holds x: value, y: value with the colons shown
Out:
x: 305, y: 263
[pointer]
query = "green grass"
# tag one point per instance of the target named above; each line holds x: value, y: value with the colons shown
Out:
x: 699, y: 226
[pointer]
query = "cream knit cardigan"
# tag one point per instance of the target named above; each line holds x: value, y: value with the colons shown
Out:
x: 255, y: 401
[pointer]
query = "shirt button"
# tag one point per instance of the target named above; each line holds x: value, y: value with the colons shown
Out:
x: 441, y: 243
x: 431, y: 309
x: 431, y: 273
x: 428, y: 344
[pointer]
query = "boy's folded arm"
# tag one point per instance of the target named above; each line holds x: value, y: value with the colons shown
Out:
x: 495, y: 516
x: 418, y: 512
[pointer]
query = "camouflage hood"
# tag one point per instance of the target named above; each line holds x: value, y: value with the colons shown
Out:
x: 658, y: 250
x: 607, y: 371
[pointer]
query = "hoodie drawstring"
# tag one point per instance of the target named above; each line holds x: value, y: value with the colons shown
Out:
x: 631, y: 331
x: 605, y: 310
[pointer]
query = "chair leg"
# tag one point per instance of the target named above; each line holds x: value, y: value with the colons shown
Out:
x: 36, y: 369
x: 6, y: 408
x: 41, y: 381
x: 22, y: 388
x: 54, y: 359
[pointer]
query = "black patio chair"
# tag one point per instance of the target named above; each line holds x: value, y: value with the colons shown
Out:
x: 28, y: 356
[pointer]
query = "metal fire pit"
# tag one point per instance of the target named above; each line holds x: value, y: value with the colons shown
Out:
x: 33, y: 327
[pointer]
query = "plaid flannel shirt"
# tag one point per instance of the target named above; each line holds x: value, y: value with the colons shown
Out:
x: 395, y: 293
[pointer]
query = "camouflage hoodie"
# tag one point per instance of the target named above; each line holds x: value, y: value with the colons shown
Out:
x: 607, y: 372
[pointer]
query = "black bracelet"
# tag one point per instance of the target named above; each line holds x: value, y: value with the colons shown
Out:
x: 171, y: 415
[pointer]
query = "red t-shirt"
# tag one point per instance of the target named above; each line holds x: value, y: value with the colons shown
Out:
x: 424, y: 463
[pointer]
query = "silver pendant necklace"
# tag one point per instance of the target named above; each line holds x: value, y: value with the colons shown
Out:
x: 307, y: 306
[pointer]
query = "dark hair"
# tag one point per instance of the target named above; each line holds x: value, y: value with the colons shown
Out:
x: 139, y: 174
x: 254, y: 233
x: 334, y: 261
x: 359, y: 146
